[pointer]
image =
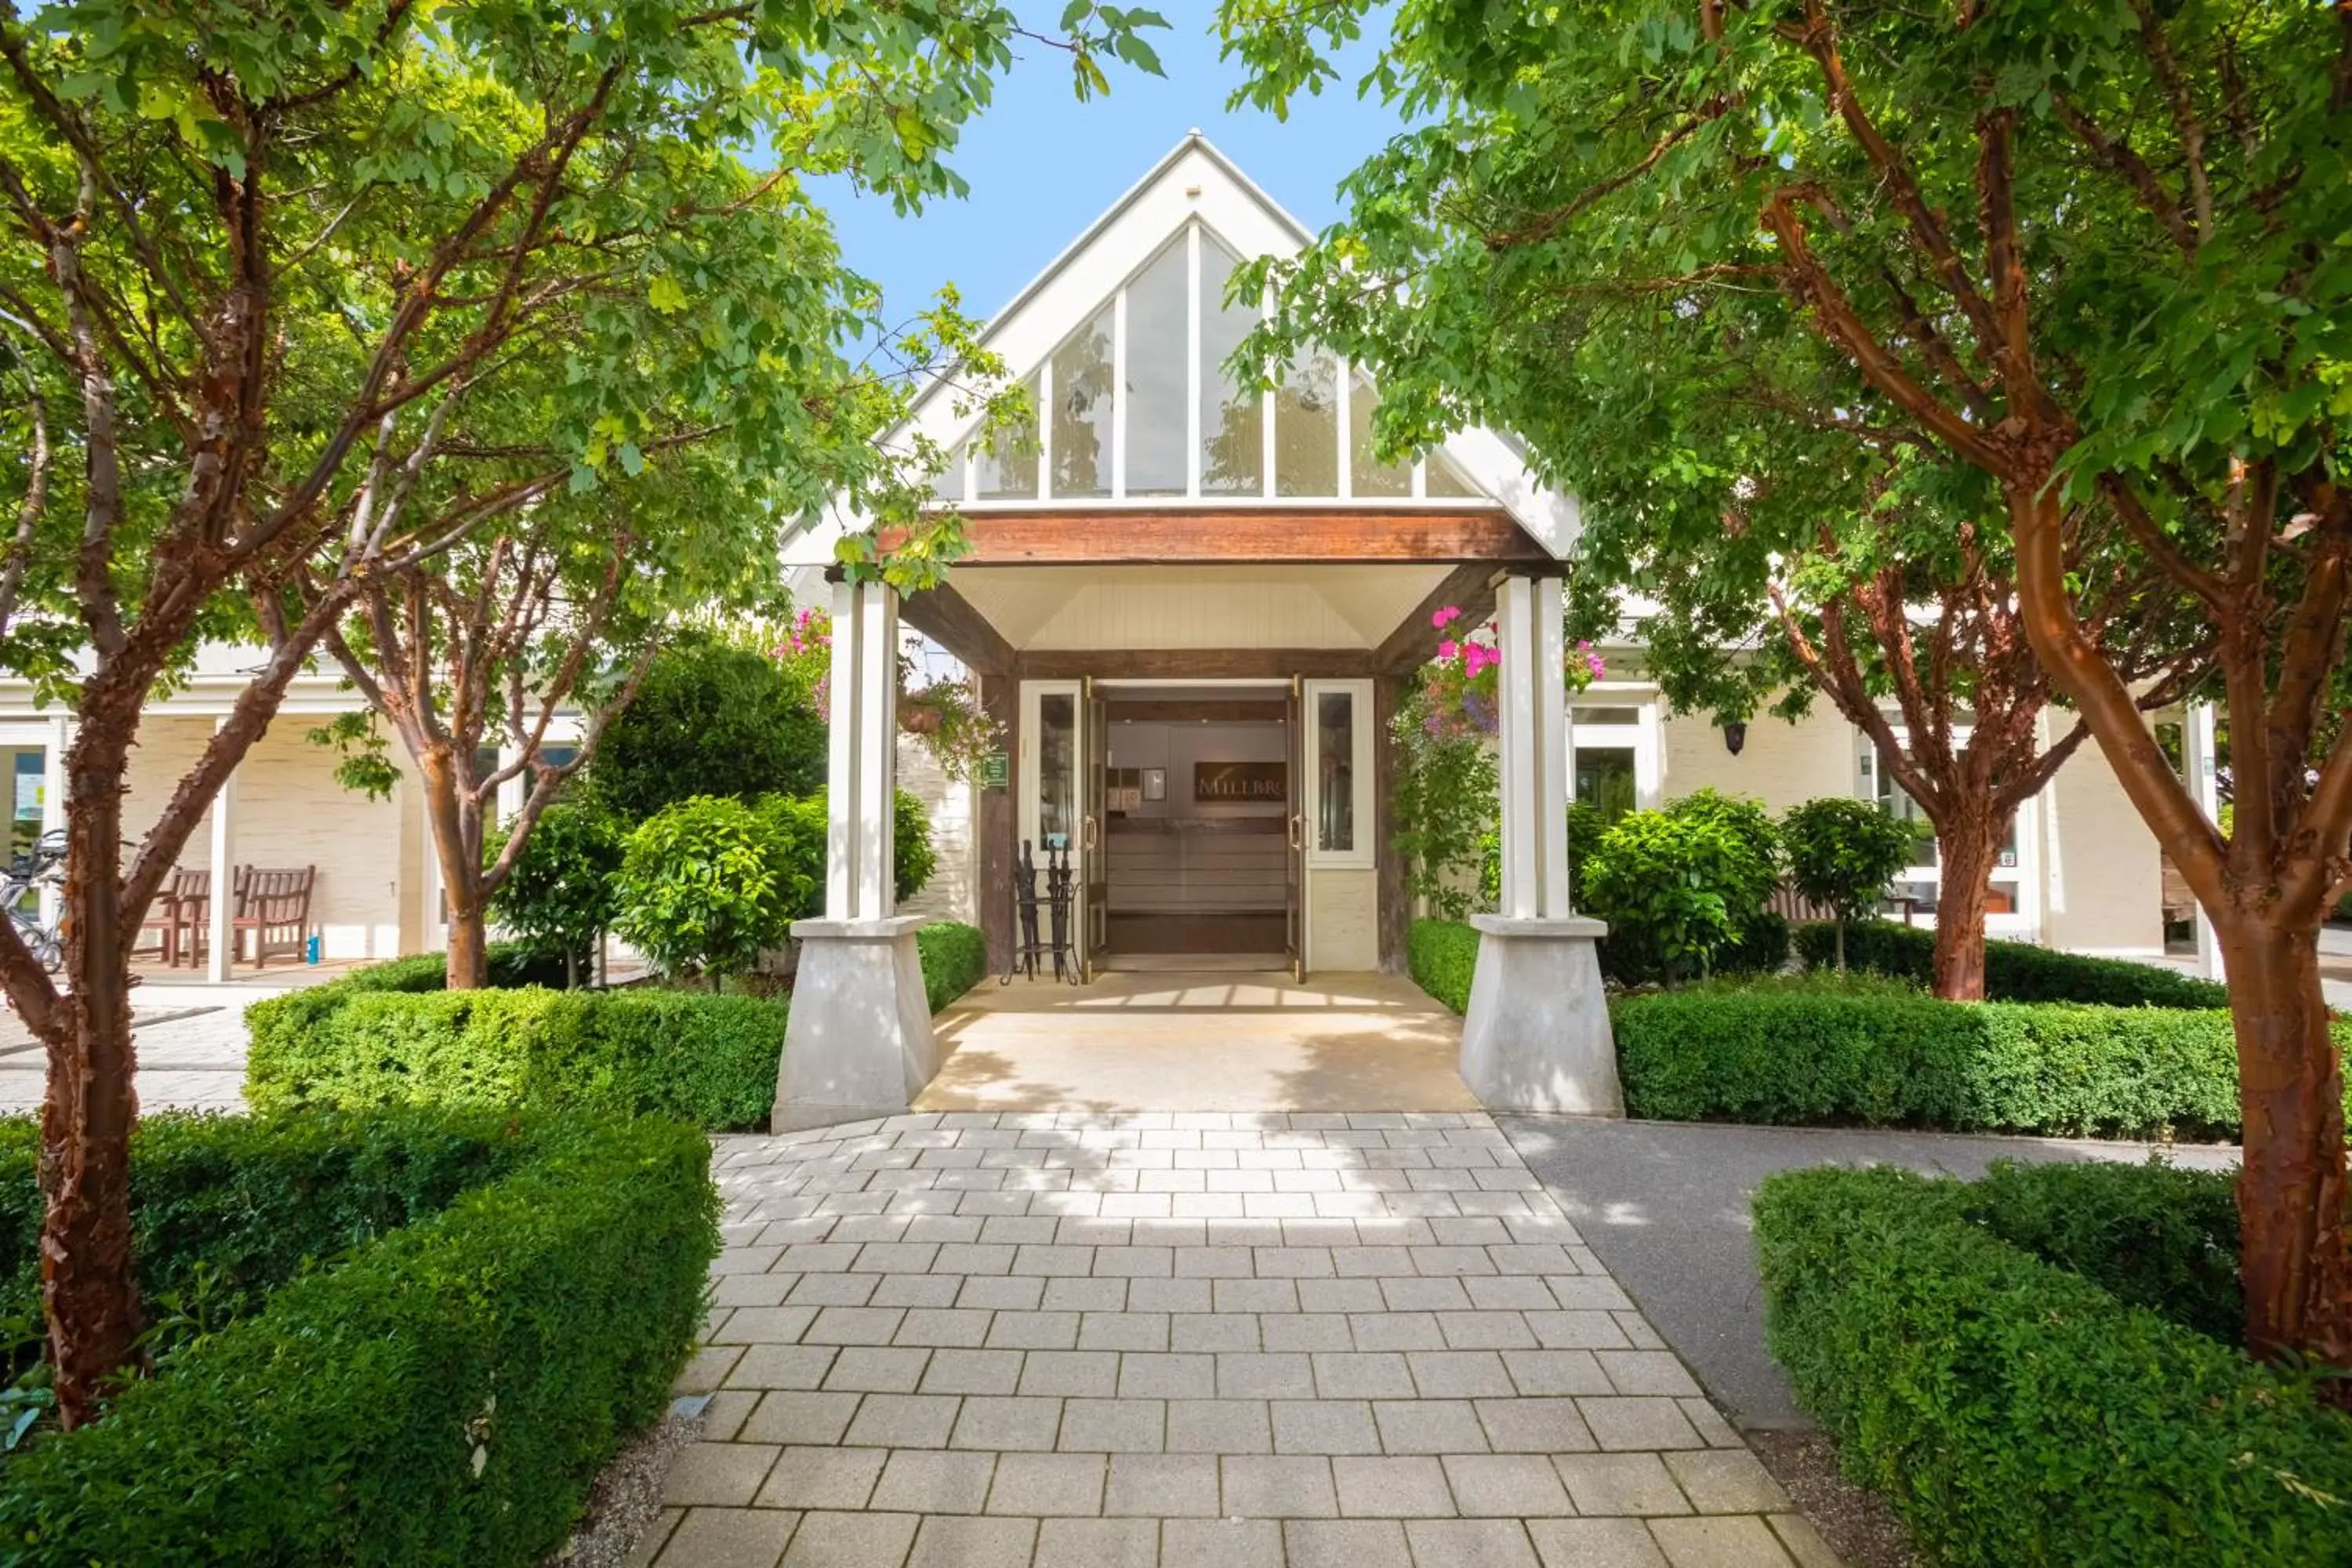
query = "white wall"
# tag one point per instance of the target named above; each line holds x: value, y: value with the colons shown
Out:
x: 2106, y: 874
x: 1780, y: 765
x: 951, y: 894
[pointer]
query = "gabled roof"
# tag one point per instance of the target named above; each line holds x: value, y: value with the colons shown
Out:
x: 1194, y: 183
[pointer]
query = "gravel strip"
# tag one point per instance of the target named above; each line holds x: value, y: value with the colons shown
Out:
x: 1859, y: 1525
x: 628, y: 1496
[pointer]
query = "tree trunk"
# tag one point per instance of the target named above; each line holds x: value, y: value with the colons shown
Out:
x: 2291, y: 1194
x: 1967, y: 844
x: 460, y: 856
x: 89, y: 1289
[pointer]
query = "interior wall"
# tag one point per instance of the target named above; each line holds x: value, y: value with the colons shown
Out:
x: 1178, y: 747
x: 1164, y: 859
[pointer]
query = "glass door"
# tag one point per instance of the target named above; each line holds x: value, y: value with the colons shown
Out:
x: 1295, y: 861
x: 1052, y: 809
x: 1094, y: 868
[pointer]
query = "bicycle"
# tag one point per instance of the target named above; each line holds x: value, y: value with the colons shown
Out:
x: 40, y: 868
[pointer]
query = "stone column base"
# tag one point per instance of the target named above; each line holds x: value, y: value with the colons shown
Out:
x: 860, y: 1041
x: 1537, y: 1038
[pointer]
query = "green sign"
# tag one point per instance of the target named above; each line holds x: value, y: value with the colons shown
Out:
x: 995, y: 771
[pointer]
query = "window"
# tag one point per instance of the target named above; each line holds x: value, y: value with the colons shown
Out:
x: 1006, y: 464
x: 1158, y: 350
x: 1614, y: 761
x: 1367, y: 475
x: 948, y: 486
x: 1082, y: 398
x: 1919, y: 888
x: 1307, y: 428
x: 1339, y: 772
x: 1232, y: 416
x: 1057, y: 771
x: 1445, y: 479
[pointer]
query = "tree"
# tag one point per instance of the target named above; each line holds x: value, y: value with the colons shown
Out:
x: 709, y: 719
x: 252, y: 249
x: 1844, y: 852
x: 708, y: 883
x: 1684, y: 882
x: 560, y: 897
x: 2096, y: 254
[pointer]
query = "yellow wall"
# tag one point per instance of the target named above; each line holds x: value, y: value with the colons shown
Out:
x: 2105, y: 871
x: 1780, y: 765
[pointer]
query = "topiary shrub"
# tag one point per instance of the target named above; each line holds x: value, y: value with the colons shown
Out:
x: 709, y: 719
x: 438, y: 1386
x: 705, y: 884
x: 711, y: 1060
x: 1842, y: 852
x: 1812, y: 1052
x: 1443, y: 957
x: 1679, y: 887
x: 2014, y: 971
x: 560, y: 898
x: 2019, y: 1415
x: 955, y: 959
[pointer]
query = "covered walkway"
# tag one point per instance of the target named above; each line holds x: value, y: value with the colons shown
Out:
x: 1205, y: 1040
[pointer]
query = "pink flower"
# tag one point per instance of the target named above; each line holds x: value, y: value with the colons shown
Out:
x: 1445, y: 617
x: 1448, y: 648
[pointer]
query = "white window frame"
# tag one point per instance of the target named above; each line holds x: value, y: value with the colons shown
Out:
x: 2023, y: 919
x: 1360, y: 764
x: 1644, y: 737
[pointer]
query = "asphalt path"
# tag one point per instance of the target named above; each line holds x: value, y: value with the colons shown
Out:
x: 1666, y: 1206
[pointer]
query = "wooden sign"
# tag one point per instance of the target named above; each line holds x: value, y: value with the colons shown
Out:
x: 1256, y: 782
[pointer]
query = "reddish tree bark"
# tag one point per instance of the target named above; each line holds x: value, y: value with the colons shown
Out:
x: 1969, y: 843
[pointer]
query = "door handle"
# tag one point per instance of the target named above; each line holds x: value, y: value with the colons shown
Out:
x: 1298, y: 830
x: 1086, y: 840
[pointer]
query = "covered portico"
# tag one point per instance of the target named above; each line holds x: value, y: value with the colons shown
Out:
x: 1195, y: 607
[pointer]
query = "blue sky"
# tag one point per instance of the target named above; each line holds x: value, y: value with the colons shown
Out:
x: 1042, y: 165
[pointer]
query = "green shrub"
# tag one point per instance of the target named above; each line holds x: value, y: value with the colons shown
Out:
x: 912, y: 857
x: 1679, y: 887
x: 2014, y: 971
x: 1761, y: 947
x: 1442, y: 956
x: 2158, y: 1236
x: 1812, y: 1052
x: 444, y: 1395
x: 709, y: 1059
x: 707, y: 884
x: 2017, y: 1414
x: 276, y: 1019
x: 560, y: 898
x: 955, y: 959
x: 709, y: 719
x: 1842, y: 852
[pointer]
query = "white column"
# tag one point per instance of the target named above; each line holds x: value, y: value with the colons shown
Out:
x: 221, y: 907
x: 1533, y: 702
x: 861, y: 784
x: 512, y: 791
x: 2204, y: 783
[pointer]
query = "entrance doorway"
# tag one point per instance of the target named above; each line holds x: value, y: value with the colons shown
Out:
x: 1200, y: 828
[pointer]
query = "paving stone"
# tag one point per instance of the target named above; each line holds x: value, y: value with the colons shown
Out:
x: 1346, y: 1543
x: 1732, y: 1543
x: 1719, y: 1480
x: 1114, y: 1426
x: 708, y: 1369
x: 944, y: 1327
x: 1324, y: 1427
x: 1039, y: 1484
x: 1265, y: 1485
x: 934, y: 1480
x: 1280, y: 1331
x: 1709, y: 1423
x: 1802, y: 1542
x: 1507, y: 1486
x: 1124, y: 1332
x: 947, y: 1541
x: 1097, y: 1544
x: 765, y: 1325
x: 1543, y: 1373
x: 1429, y: 1427
x: 1469, y: 1544
x: 723, y: 1417
x: 972, y: 1372
x: 728, y: 1537
x: 874, y: 1369
x: 1034, y: 1331
x: 1223, y: 1544
x: 1460, y: 1374
x: 788, y: 1415
x: 1639, y: 1423
x: 825, y: 1478
x: 1011, y: 1423
x: 1212, y: 1331
x: 1149, y: 1376
x: 850, y: 1540
x: 1087, y: 1374
x: 1162, y: 1486
x: 650, y: 1545
x: 1577, y: 1330
x: 1380, y: 1330
x: 903, y: 1421
x: 1089, y: 1296
x: 1380, y: 1488
x: 1604, y: 1483
x: 1219, y: 1427
x: 727, y: 1475
x: 1594, y: 1544
x: 1257, y: 1375
x: 1362, y: 1374
x: 1647, y: 1371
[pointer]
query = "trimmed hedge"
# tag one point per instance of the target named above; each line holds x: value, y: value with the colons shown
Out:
x: 2014, y: 971
x: 1442, y: 956
x: 1816, y: 1051
x: 445, y: 1395
x: 955, y: 959
x: 710, y: 1059
x: 2018, y: 1415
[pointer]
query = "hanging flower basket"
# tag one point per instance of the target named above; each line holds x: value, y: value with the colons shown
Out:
x: 917, y: 717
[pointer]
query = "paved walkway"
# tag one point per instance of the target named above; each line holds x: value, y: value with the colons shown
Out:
x: 1665, y: 1206
x: 1215, y: 1041
x: 191, y: 1043
x: 1212, y: 1341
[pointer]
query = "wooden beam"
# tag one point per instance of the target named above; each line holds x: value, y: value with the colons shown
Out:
x: 1470, y: 589
x: 949, y: 619
x: 1196, y: 664
x: 1213, y: 711
x: 1206, y: 536
x: 1392, y: 892
x: 1000, y: 695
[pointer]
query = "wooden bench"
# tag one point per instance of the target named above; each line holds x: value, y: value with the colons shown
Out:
x: 274, y: 904
x: 177, y: 917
